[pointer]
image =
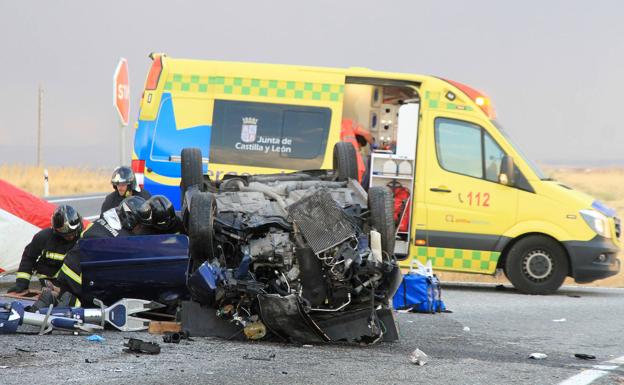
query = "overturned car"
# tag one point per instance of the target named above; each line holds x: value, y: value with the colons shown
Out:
x: 305, y: 257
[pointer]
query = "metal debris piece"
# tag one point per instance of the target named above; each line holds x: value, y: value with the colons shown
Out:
x: 270, y: 357
x: 466, y: 329
x: 136, y: 345
x: 584, y: 356
x: 537, y: 356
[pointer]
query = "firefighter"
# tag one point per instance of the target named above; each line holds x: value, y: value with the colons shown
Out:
x: 121, y: 221
x: 125, y: 185
x: 46, y: 252
x: 159, y: 217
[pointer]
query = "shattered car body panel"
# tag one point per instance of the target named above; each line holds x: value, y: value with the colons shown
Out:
x: 293, y: 253
x: 149, y: 267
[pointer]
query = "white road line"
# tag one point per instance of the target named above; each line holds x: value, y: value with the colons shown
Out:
x: 76, y: 199
x: 617, y: 361
x: 588, y: 376
x: 585, y: 377
x: 605, y: 367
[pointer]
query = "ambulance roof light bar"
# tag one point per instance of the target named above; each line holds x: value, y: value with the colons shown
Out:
x: 480, y: 99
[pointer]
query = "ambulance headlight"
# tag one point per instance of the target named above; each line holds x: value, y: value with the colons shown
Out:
x: 597, y: 221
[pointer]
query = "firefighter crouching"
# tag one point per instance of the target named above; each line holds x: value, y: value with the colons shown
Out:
x: 45, y: 254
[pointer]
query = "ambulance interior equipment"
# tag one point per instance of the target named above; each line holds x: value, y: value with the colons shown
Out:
x: 390, y: 111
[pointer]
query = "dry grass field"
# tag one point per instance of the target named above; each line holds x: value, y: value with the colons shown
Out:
x: 62, y: 180
x: 606, y: 184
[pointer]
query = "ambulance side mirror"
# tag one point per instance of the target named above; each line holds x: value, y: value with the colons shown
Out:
x: 506, y: 175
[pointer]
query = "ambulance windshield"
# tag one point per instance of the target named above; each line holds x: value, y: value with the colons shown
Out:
x: 538, y: 172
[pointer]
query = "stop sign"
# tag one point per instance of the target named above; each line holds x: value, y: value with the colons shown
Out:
x: 121, y: 92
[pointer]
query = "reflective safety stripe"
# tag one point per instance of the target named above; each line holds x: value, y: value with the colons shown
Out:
x: 23, y: 275
x: 460, y: 260
x: 87, y: 228
x: 55, y: 256
x: 77, y: 304
x: 43, y: 276
x: 73, y: 276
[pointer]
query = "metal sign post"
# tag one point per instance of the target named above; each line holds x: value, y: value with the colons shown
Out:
x: 121, y: 102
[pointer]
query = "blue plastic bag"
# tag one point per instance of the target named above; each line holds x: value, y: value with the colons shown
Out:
x: 420, y: 293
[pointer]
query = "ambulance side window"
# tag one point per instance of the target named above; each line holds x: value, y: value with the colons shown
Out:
x: 466, y: 148
x: 458, y: 146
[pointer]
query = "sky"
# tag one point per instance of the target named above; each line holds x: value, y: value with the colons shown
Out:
x: 553, y: 69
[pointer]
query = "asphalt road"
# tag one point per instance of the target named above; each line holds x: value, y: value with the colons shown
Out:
x: 504, y: 328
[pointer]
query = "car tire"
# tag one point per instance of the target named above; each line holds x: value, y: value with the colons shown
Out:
x: 345, y: 161
x: 201, y: 215
x: 381, y: 218
x: 537, y: 264
x: 192, y: 172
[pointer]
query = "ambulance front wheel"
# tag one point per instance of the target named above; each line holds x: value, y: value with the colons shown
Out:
x: 537, y: 265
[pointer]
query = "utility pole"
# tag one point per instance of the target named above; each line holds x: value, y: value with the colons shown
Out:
x: 39, y: 125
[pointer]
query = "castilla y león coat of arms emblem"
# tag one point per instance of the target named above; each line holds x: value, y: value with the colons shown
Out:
x: 249, y: 129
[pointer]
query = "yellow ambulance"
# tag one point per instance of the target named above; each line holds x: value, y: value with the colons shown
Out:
x: 471, y: 201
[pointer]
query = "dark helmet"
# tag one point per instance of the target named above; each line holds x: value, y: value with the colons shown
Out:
x: 124, y: 175
x: 158, y: 212
x: 66, y: 221
x: 128, y: 211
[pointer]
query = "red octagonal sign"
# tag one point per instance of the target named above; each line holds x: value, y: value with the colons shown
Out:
x: 121, y: 92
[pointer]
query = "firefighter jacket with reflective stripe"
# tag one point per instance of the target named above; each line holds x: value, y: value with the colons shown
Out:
x: 43, y: 255
x: 70, y: 275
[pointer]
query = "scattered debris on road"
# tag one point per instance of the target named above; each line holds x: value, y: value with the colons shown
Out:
x: 418, y: 357
x: 466, y: 329
x: 537, y: 356
x: 584, y: 356
x: 270, y: 357
x: 95, y: 338
x: 559, y: 320
x: 136, y: 345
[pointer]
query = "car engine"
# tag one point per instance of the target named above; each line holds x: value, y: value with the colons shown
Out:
x: 293, y: 256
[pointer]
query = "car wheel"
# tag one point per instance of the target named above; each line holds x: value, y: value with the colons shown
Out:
x: 381, y: 206
x: 537, y: 265
x: 192, y: 172
x: 345, y: 161
x: 201, y: 214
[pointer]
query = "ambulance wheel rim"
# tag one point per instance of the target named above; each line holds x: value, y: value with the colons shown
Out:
x: 538, y: 265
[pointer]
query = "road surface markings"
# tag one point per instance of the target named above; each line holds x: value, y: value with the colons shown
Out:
x: 590, y: 375
x: 68, y: 199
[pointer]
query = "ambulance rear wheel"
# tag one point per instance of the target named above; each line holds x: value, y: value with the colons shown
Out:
x: 201, y: 214
x: 345, y: 161
x: 537, y: 265
x: 381, y: 218
x: 192, y: 172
